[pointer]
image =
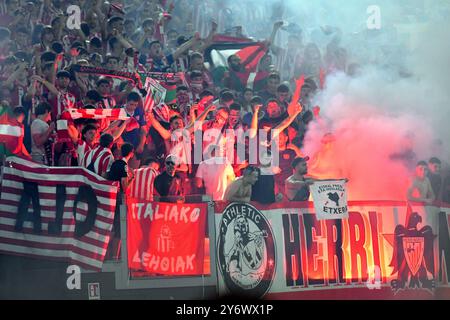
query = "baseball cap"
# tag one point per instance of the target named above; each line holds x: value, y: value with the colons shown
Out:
x: 297, y: 160
x: 171, y: 158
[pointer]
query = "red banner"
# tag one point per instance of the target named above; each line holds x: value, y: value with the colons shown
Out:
x: 166, y: 238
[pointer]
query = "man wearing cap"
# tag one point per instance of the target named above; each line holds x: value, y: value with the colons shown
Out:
x: 168, y: 183
x: 297, y: 186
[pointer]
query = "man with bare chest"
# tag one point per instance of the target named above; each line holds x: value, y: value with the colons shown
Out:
x: 241, y: 189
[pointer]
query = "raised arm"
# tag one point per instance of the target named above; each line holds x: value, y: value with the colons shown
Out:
x: 209, y: 39
x: 9, y: 83
x: 117, y: 127
x: 165, y: 134
x: 287, y: 122
x: 297, y: 92
x: 126, y: 44
x: 254, y: 124
x: 49, y: 85
x: 56, y: 66
x: 185, y: 46
x: 81, y: 85
x: 31, y: 91
x: 205, y: 101
x: 276, y: 26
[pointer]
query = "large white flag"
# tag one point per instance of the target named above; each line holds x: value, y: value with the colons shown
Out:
x: 330, y: 199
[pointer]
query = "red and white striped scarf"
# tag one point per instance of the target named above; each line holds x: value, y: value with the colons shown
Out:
x: 111, y: 114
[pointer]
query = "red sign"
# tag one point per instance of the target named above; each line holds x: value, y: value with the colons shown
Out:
x: 166, y: 238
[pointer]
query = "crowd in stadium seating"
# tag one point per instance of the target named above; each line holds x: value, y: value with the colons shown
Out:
x: 262, y: 87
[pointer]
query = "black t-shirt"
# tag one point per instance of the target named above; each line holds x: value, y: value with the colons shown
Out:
x: 263, y: 191
x: 119, y: 170
x: 285, y: 160
x: 436, y: 183
x: 166, y: 185
x: 272, y: 122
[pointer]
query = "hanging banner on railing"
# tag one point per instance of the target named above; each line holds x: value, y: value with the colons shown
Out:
x: 166, y: 238
x: 56, y: 213
x: 384, y: 250
x: 330, y: 199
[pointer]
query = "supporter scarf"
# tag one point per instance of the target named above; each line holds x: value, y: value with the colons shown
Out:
x: 109, y: 73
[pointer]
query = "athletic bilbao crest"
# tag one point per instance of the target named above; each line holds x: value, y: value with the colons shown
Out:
x: 413, y: 257
x: 413, y: 249
x: 246, y: 251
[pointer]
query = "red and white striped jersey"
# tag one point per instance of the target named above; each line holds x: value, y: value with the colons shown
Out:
x: 108, y: 103
x: 142, y: 185
x: 63, y: 101
x: 101, y: 157
x: 82, y: 149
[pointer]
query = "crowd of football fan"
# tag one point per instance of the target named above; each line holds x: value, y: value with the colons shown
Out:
x: 269, y: 88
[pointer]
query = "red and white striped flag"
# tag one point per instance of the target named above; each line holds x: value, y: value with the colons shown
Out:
x: 111, y: 114
x: 149, y: 102
x: 76, y: 209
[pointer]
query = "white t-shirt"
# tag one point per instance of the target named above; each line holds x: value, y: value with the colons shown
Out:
x: 37, y: 127
x: 215, y: 173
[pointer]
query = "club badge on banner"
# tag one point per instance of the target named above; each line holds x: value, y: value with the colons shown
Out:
x: 166, y: 238
x: 330, y: 199
x: 156, y: 89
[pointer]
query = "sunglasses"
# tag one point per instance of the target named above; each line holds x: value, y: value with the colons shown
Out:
x: 170, y: 163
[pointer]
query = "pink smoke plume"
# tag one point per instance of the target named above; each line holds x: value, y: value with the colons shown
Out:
x: 375, y: 147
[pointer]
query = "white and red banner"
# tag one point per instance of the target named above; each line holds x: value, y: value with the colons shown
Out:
x: 57, y: 213
x: 384, y: 250
x: 166, y: 238
x: 330, y: 199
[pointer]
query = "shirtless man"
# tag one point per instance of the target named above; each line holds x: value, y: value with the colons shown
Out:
x: 241, y: 189
x: 297, y: 185
x: 420, y: 189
